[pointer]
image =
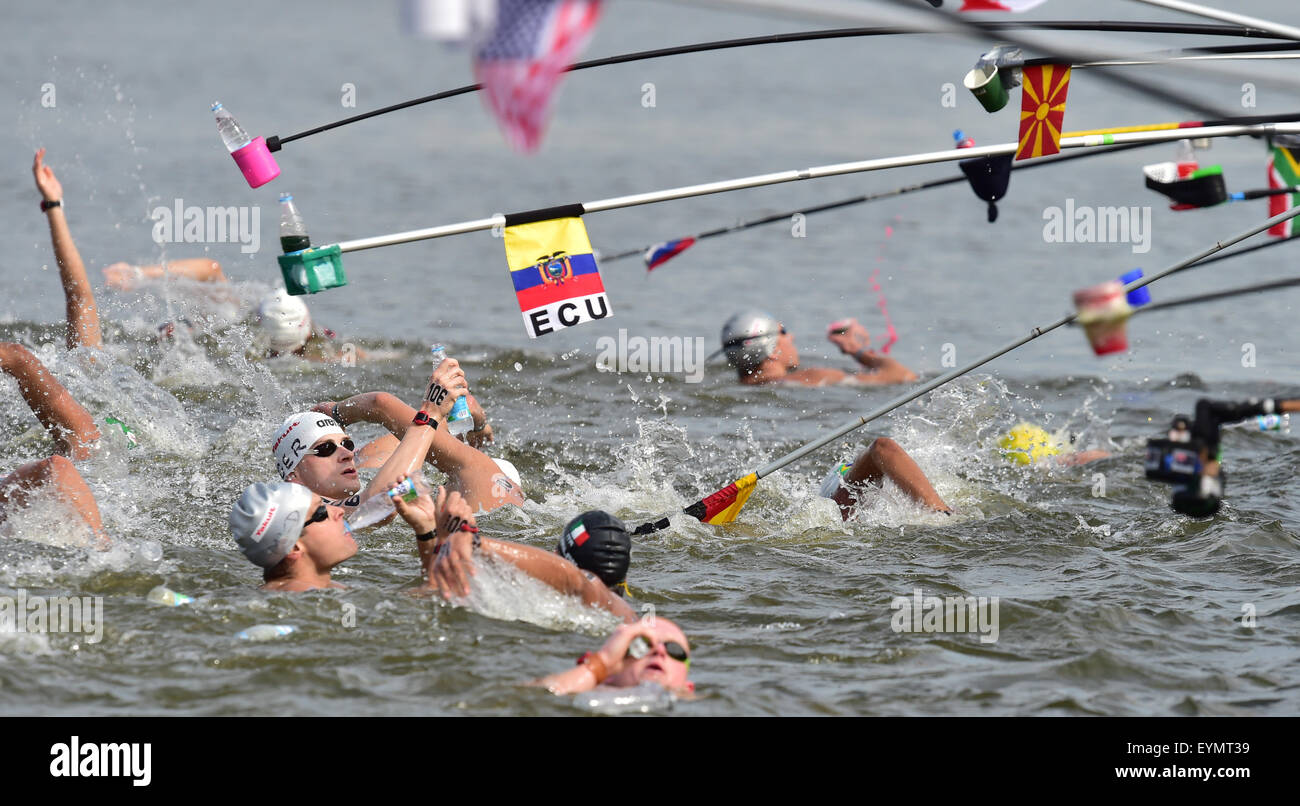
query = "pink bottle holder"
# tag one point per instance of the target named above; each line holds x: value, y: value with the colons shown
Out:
x: 256, y: 163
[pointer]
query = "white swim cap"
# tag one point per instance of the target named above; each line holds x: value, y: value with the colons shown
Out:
x: 749, y: 338
x: 834, y: 480
x: 511, y: 472
x: 267, y: 520
x: 285, y: 320
x: 297, y: 434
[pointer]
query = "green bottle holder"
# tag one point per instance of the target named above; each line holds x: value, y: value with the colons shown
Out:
x: 312, y: 270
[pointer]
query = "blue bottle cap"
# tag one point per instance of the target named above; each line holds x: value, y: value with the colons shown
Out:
x: 1142, y: 295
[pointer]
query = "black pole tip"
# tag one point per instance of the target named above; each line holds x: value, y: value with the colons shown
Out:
x: 993, y: 212
x: 273, y: 143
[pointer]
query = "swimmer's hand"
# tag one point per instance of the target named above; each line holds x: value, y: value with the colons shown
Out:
x: 614, y: 652
x: 851, y: 339
x: 46, y: 183
x: 455, y: 564
x: 421, y: 514
x: 445, y: 385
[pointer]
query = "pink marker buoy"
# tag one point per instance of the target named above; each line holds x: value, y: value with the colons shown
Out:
x: 1104, y: 312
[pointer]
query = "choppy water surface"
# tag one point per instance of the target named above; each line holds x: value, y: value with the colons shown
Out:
x: 1109, y: 604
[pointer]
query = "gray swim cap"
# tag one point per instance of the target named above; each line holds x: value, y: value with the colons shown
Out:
x: 267, y: 519
x: 749, y: 338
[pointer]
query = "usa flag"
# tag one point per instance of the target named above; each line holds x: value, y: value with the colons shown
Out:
x: 520, y: 65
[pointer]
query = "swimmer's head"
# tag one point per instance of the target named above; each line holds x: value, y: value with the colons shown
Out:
x: 1026, y: 443
x: 267, y: 520
x: 598, y: 542
x: 749, y: 338
x: 663, y: 664
x: 285, y: 321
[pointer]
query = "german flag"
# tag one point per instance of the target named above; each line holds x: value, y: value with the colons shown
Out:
x: 1042, y: 109
x: 724, y: 505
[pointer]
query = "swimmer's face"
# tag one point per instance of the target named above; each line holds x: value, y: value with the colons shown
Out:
x: 785, y: 351
x: 657, y: 665
x: 329, y: 542
x: 334, y: 476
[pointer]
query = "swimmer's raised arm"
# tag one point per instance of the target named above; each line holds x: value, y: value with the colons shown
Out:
x: 854, y: 340
x: 596, y: 667
x: 83, y: 316
x: 71, y: 426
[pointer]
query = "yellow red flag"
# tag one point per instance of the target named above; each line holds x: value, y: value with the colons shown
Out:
x: 1042, y: 109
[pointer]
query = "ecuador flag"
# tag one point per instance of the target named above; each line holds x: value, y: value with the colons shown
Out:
x: 554, y: 273
x: 1283, y: 172
x: 1042, y: 109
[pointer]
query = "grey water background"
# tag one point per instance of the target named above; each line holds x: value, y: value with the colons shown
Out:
x: 1108, y: 605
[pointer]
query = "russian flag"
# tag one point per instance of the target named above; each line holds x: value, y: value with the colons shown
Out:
x: 660, y: 254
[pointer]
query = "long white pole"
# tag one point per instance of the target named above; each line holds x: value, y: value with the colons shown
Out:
x: 838, y: 169
x: 1286, y: 31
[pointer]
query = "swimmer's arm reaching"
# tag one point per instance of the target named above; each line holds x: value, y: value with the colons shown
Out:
x: 854, y: 340
x: 597, y: 666
x: 124, y: 276
x: 71, y: 426
x: 416, y: 440
x: 449, y: 570
x: 83, y: 316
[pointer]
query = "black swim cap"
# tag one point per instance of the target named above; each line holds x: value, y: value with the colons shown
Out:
x: 598, y: 542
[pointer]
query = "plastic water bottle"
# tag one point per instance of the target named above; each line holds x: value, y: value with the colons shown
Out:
x: 1274, y: 422
x: 963, y: 140
x: 293, y: 232
x: 460, y: 420
x: 265, y: 632
x: 164, y: 595
x: 1185, y: 157
x: 380, y: 505
x: 232, y: 134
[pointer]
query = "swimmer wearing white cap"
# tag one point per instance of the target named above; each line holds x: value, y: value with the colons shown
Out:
x: 287, y: 327
x: 313, y: 449
x: 292, y: 535
x: 485, y: 482
x: 762, y: 351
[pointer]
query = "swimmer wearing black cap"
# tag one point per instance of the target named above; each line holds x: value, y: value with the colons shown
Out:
x: 763, y: 351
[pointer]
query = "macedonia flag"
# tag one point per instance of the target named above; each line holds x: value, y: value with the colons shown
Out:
x: 1042, y: 109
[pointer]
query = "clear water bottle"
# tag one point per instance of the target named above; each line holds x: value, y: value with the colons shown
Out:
x: 164, y: 595
x: 232, y: 134
x: 460, y: 420
x: 265, y: 632
x: 293, y: 232
x: 380, y: 505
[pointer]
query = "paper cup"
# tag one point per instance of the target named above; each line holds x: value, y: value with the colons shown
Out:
x: 985, y: 84
x: 1104, y: 312
x: 256, y: 163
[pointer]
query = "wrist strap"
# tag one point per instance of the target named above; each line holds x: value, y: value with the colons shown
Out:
x: 334, y: 412
x: 426, y: 536
x: 423, y: 418
x: 596, y: 665
x: 49, y: 205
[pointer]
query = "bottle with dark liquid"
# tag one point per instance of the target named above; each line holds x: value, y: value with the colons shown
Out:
x: 293, y: 232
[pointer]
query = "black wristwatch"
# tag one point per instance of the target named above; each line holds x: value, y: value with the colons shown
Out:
x: 423, y: 418
x: 46, y: 205
x: 426, y: 536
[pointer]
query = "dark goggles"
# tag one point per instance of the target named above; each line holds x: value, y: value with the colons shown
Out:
x: 326, y: 449
x: 640, y: 647
x: 321, y: 514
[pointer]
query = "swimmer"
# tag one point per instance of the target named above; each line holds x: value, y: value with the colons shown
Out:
x: 762, y: 351
x: 619, y: 664
x: 71, y: 427
x: 1028, y: 444
x: 82, y: 315
x: 312, y: 449
x: 287, y: 326
x: 884, y: 459
x: 448, y: 540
